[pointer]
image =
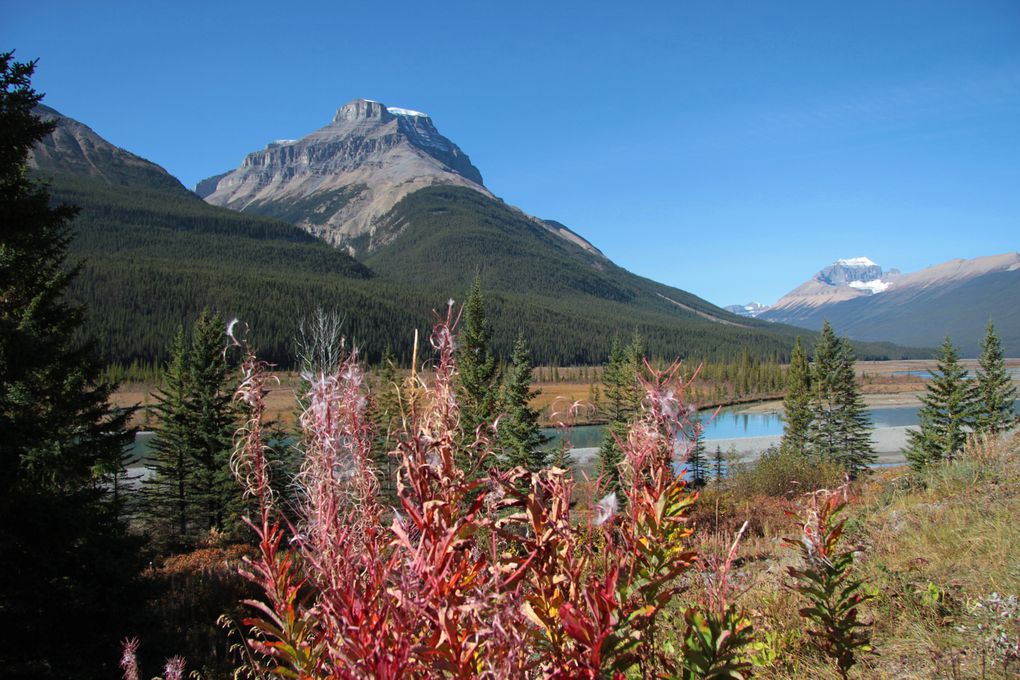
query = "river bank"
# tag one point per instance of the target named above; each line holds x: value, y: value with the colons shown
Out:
x: 893, y: 399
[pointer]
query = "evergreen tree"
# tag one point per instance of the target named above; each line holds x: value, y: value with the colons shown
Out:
x: 697, y: 463
x: 622, y: 398
x: 797, y: 403
x: 68, y: 566
x: 212, y: 418
x: 825, y: 421
x: 856, y: 451
x: 520, y: 437
x: 167, y: 491
x: 477, y: 367
x: 995, y: 393
x: 840, y: 428
x: 192, y: 489
x: 719, y: 465
x: 947, y: 409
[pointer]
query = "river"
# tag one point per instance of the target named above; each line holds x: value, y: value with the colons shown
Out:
x: 735, y: 423
x: 731, y: 424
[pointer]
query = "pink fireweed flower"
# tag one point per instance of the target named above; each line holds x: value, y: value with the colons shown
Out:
x: 174, y: 669
x: 129, y: 659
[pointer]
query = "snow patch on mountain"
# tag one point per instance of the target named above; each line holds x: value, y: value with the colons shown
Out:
x: 857, y: 262
x: 751, y: 309
x: 397, y: 111
x: 873, y: 286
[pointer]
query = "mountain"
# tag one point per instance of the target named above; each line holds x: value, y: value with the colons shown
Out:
x: 842, y: 280
x: 751, y: 309
x: 955, y: 298
x: 75, y: 149
x: 155, y: 254
x: 384, y: 183
x: 340, y: 181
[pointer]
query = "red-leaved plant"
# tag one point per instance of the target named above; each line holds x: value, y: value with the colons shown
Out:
x: 478, y: 572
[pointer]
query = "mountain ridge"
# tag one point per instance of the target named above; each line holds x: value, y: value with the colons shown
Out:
x: 155, y: 255
x: 954, y: 298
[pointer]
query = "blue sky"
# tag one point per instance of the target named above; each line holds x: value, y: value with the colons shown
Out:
x: 728, y: 148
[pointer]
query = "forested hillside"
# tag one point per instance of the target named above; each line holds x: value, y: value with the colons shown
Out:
x: 153, y: 255
x: 153, y: 259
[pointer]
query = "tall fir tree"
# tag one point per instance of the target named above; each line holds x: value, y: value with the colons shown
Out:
x: 797, y: 403
x: 825, y: 421
x: 947, y: 411
x: 719, y: 465
x: 213, y: 419
x: 995, y: 393
x: 840, y: 428
x: 168, y: 489
x: 697, y: 461
x: 856, y: 450
x: 622, y: 398
x: 520, y: 437
x: 476, y: 365
x: 67, y: 563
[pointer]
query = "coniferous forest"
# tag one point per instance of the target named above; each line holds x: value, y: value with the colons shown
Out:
x: 152, y: 259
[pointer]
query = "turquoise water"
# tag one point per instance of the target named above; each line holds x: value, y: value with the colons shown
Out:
x: 1013, y: 372
x: 730, y: 424
x: 727, y: 424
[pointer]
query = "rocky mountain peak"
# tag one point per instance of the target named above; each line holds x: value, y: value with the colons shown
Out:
x: 844, y: 272
x: 362, y: 109
x: 339, y: 181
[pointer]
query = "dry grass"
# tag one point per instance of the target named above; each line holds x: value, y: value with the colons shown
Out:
x: 280, y: 402
x: 933, y: 549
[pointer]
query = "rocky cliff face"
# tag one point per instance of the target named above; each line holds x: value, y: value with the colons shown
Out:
x: 843, y: 272
x: 339, y: 181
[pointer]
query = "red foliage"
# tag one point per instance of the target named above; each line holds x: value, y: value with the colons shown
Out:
x: 477, y: 574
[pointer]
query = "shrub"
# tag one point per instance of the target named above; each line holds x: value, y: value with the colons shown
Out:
x: 787, y: 473
x: 478, y: 573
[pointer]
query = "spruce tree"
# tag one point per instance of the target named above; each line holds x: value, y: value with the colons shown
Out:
x: 520, y: 437
x: 840, y: 429
x: 856, y: 451
x: 825, y: 420
x: 212, y: 418
x: 622, y: 398
x: 167, y: 491
x: 697, y: 463
x: 477, y: 367
x: 995, y: 393
x: 946, y: 413
x: 797, y: 403
x: 68, y: 565
x: 719, y: 465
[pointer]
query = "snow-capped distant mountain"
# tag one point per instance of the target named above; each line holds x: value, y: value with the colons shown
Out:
x: 955, y: 298
x: 751, y: 309
x: 842, y: 280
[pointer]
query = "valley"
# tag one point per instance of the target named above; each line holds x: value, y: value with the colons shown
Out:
x: 297, y: 383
